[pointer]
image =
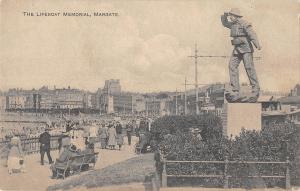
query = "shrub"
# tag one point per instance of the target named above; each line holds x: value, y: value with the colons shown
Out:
x: 177, y: 142
x: 210, y: 125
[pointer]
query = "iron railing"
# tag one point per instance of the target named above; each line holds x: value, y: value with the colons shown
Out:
x: 29, y: 145
x: 225, y: 175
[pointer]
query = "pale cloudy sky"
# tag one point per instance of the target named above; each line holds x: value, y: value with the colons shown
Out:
x: 146, y: 46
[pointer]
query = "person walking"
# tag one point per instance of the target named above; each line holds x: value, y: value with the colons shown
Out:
x: 15, y: 160
x: 243, y: 36
x: 129, y: 130
x: 142, y: 141
x: 112, y: 134
x: 93, y: 131
x: 120, y: 139
x: 69, y: 125
x: 44, y: 140
x: 103, y: 135
x: 64, y: 141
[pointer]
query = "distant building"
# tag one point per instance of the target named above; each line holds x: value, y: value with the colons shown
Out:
x: 210, y: 99
x: 16, y: 102
x: 291, y: 100
x: 276, y: 111
x: 69, y: 98
x: 110, y: 99
x: 44, y: 99
x: 89, y: 100
x: 295, y: 91
x: 124, y: 103
x: 112, y: 87
x: 207, y: 108
x: 157, y: 107
x: 110, y: 105
x: 94, y: 101
x: 98, y: 98
x: 140, y: 104
x: 2, y: 102
x: 18, y: 99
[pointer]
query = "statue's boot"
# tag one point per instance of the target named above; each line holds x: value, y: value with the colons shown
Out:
x: 250, y: 98
x: 233, y: 97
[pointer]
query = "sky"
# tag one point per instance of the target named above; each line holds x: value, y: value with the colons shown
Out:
x: 146, y: 46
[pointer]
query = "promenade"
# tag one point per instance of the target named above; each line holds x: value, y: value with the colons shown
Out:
x: 37, y: 177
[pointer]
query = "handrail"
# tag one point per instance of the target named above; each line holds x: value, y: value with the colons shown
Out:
x: 222, y: 162
x: 225, y: 174
x: 30, y: 145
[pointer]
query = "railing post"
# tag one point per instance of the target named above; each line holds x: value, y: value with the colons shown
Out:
x: 287, y: 174
x: 226, y: 172
x: 155, y: 182
x: 164, y: 174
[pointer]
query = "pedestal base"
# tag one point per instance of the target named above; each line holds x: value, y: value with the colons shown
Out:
x: 237, y: 116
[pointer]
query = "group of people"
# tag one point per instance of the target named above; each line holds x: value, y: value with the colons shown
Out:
x: 111, y: 134
x: 15, y: 159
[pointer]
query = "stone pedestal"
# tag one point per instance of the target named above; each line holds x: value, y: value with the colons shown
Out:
x: 236, y: 116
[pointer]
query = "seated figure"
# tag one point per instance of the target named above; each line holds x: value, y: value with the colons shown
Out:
x: 15, y: 161
x: 89, y: 149
x: 64, y: 142
x: 91, y: 159
x: 80, y: 163
x: 63, y: 159
x: 143, y: 142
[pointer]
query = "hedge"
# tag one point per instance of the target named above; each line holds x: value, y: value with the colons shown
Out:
x: 175, y: 139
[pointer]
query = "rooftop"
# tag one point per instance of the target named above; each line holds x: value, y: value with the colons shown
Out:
x: 290, y: 100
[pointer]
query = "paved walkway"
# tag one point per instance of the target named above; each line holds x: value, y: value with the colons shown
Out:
x: 37, y: 177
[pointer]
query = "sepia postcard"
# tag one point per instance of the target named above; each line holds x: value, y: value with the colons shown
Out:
x: 150, y: 95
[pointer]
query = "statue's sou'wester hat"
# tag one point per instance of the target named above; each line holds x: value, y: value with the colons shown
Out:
x: 236, y: 12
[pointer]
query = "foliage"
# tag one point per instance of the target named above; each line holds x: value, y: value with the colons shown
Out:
x: 178, y: 142
x: 209, y: 124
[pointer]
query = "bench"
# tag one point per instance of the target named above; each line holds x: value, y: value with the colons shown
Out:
x: 142, y: 149
x: 77, y: 164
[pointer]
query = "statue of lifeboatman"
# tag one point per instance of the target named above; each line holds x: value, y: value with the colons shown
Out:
x: 243, y: 37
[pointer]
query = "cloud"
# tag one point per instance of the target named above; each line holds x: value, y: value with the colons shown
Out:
x: 147, y: 46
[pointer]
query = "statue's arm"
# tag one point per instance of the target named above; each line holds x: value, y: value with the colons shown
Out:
x: 225, y: 21
x: 252, y: 36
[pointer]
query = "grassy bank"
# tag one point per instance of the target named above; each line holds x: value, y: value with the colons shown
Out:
x: 130, y: 171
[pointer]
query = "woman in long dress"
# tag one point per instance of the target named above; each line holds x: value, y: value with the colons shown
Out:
x: 103, y: 134
x: 15, y: 159
x: 112, y: 134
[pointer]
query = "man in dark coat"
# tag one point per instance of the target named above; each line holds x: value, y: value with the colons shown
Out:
x: 44, y: 140
x: 69, y: 126
x: 129, y: 130
x: 119, y: 135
